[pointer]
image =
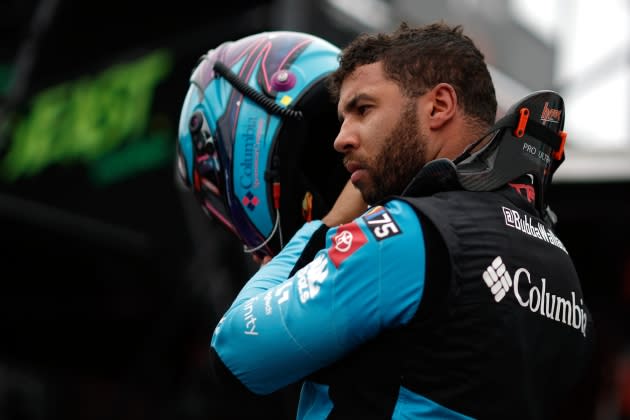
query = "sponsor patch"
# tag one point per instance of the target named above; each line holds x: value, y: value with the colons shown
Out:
x: 550, y: 115
x: 381, y: 223
x: 534, y: 295
x: 346, y: 241
x: 311, y: 277
x: 521, y: 221
x: 250, y: 201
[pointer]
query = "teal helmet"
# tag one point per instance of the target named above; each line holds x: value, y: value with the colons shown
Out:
x: 256, y: 132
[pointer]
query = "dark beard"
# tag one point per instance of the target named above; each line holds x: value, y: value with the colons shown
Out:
x: 402, y: 156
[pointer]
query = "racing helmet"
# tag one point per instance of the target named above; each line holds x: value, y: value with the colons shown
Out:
x: 255, y: 137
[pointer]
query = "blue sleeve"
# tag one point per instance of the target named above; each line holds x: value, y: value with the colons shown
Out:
x: 369, y: 277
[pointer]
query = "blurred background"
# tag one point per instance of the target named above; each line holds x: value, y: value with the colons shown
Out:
x: 111, y: 277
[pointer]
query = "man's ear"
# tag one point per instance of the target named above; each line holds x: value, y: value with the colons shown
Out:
x: 444, y: 105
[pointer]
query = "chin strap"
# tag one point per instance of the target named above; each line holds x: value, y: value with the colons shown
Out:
x: 276, y: 228
x: 271, y: 176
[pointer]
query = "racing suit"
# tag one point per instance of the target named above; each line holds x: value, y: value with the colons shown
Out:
x: 455, y: 305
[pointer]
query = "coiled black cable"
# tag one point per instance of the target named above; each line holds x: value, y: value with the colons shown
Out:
x: 259, y: 98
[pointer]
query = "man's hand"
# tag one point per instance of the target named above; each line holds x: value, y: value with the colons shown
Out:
x: 261, y: 261
x: 348, y: 206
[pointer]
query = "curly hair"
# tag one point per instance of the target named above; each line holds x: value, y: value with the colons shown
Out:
x: 418, y: 59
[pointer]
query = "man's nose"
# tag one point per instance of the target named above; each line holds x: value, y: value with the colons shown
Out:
x: 346, y: 139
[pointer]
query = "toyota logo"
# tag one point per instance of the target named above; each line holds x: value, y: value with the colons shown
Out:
x: 343, y: 241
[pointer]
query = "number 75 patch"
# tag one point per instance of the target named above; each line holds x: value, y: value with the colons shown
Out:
x: 381, y: 223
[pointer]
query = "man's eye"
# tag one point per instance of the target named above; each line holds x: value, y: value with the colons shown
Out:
x: 362, y: 109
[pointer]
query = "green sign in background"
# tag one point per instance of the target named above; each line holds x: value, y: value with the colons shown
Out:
x: 101, y: 121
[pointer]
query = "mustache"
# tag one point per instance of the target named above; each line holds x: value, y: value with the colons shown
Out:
x: 348, y: 159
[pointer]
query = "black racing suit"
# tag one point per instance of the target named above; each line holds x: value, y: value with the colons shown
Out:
x: 455, y: 305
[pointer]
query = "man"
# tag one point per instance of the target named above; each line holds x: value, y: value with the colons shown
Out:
x: 451, y: 296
